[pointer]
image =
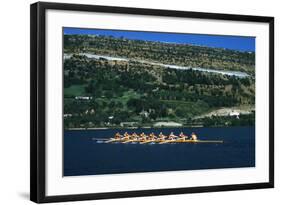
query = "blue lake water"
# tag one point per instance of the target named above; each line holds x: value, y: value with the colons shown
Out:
x: 84, y: 156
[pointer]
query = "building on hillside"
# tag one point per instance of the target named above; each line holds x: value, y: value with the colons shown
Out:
x: 235, y: 114
x: 83, y: 98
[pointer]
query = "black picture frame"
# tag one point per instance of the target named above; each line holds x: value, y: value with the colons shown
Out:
x: 38, y: 101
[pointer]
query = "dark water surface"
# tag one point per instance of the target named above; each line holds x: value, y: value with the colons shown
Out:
x: 84, y: 156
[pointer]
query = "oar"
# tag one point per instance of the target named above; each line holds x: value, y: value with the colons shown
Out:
x: 112, y: 140
x: 167, y: 141
x: 100, y: 139
x: 209, y: 141
x: 145, y: 142
x: 127, y: 141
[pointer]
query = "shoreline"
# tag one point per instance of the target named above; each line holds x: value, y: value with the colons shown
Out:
x: 133, y: 128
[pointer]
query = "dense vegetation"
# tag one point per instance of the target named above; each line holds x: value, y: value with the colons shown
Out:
x: 169, y: 53
x: 119, y: 93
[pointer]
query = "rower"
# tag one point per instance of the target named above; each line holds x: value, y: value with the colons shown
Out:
x: 161, y: 136
x: 182, y: 136
x: 143, y: 136
x: 126, y: 136
x: 152, y: 136
x: 135, y: 136
x: 172, y: 136
x: 117, y: 136
x: 193, y: 136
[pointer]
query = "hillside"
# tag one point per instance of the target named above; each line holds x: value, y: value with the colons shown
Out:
x: 168, y: 53
x: 135, y: 91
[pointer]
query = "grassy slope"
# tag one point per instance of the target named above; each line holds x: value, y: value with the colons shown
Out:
x: 74, y: 90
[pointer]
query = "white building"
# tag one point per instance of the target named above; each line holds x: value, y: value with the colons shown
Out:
x: 83, y: 98
x: 234, y: 113
x: 67, y: 115
x: 144, y: 113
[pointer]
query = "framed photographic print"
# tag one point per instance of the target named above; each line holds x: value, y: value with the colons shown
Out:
x: 129, y: 102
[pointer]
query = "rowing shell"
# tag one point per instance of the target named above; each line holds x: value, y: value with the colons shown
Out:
x: 191, y: 141
x: 159, y: 141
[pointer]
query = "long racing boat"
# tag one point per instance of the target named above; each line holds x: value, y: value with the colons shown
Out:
x: 162, y: 139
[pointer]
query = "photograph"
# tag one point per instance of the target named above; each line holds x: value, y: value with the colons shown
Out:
x: 135, y: 102
x: 147, y: 101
